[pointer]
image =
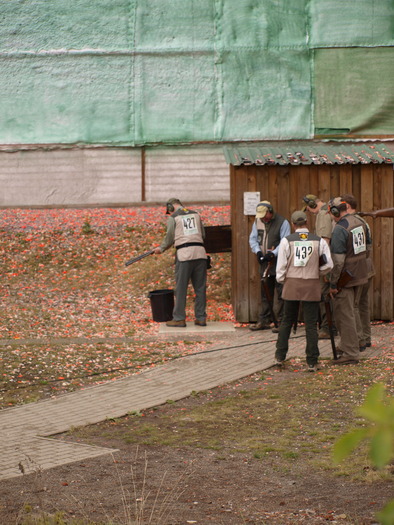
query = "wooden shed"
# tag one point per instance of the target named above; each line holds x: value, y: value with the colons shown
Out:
x: 282, y: 172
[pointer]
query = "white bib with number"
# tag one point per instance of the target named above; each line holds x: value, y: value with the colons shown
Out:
x: 359, y: 242
x: 189, y: 225
x: 302, y: 252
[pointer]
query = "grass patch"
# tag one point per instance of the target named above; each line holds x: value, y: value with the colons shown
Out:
x: 282, y: 422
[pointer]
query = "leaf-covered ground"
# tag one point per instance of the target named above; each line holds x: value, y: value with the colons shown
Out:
x: 72, y: 313
x: 255, y: 451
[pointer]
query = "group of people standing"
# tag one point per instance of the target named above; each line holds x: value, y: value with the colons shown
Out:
x: 300, y: 269
x: 304, y: 269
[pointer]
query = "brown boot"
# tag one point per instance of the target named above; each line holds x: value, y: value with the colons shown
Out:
x: 200, y: 323
x: 179, y: 324
x: 260, y: 326
x: 345, y: 361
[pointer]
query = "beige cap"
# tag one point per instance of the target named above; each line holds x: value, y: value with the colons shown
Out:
x: 336, y: 202
x: 310, y: 197
x: 262, y: 208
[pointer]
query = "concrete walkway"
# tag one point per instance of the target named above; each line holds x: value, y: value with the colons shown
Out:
x: 25, y: 443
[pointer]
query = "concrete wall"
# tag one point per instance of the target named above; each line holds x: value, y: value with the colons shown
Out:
x: 195, y: 174
x: 104, y: 176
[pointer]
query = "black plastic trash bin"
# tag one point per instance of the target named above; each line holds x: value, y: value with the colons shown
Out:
x: 162, y: 303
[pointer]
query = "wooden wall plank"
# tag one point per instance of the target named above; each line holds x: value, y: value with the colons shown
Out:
x: 241, y: 181
x: 387, y: 251
x: 344, y: 173
x: 302, y: 184
x: 363, y: 190
x: 284, y: 199
x: 377, y: 240
x: 324, y: 183
x: 314, y: 181
x: 334, y: 181
x: 356, y: 181
x: 284, y: 187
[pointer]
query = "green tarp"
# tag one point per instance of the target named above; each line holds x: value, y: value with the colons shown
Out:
x: 131, y: 72
x: 355, y: 90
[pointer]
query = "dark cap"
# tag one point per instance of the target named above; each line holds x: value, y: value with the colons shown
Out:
x: 298, y: 217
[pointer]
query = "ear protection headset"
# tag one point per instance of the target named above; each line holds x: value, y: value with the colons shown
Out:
x: 267, y: 205
x: 170, y: 205
x: 335, y: 209
x: 311, y: 203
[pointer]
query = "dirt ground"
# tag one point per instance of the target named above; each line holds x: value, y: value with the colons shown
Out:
x: 170, y: 485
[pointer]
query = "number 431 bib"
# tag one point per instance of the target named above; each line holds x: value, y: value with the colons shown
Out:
x: 359, y: 244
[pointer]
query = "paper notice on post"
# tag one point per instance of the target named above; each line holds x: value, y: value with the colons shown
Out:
x: 251, y: 200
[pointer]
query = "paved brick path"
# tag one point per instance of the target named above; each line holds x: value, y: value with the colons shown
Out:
x: 25, y: 443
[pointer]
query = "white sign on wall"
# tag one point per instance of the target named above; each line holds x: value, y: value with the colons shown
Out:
x: 251, y: 200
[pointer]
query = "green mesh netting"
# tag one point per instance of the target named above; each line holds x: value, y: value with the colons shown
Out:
x: 155, y: 71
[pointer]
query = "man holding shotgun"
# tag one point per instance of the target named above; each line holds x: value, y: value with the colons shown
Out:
x: 349, y: 254
x: 267, y: 231
x: 303, y: 257
x: 186, y: 232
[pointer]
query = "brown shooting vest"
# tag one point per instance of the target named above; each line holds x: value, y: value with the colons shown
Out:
x: 302, y: 281
x: 356, y: 251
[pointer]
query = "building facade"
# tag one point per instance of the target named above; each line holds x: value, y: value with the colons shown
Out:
x: 101, y: 100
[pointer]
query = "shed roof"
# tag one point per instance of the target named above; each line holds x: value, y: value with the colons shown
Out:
x: 307, y: 152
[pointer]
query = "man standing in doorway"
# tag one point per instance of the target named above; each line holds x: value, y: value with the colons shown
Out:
x: 186, y: 231
x: 323, y: 228
x: 267, y: 231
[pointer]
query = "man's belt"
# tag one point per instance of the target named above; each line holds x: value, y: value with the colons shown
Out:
x: 187, y: 244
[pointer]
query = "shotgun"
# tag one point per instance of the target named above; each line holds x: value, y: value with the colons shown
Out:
x: 344, y: 278
x: 267, y: 293
x: 386, y: 212
x: 328, y: 307
x: 139, y: 257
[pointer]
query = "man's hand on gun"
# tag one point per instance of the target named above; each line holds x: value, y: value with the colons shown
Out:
x: 269, y: 256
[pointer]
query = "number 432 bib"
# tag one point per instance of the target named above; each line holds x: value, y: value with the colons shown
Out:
x: 302, y: 252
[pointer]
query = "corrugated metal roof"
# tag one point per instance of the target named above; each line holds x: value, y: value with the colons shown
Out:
x: 307, y: 152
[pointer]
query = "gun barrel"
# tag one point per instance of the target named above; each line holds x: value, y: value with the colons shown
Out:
x: 268, y: 296
x: 138, y: 258
x: 327, y: 304
x: 385, y: 212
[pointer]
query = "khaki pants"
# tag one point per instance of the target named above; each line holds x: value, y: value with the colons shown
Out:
x: 345, y: 321
x: 363, y: 316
